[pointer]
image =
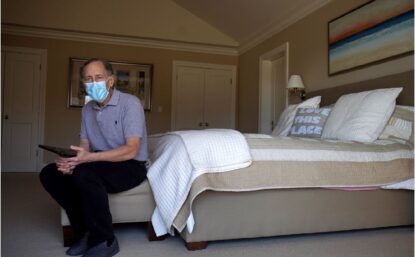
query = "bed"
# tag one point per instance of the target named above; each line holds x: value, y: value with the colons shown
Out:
x: 220, y: 208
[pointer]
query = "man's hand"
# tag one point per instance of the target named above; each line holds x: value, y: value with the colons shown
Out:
x: 122, y: 153
x: 66, y: 165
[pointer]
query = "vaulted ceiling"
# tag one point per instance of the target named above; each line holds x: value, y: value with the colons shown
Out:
x: 223, y: 26
x: 247, y: 21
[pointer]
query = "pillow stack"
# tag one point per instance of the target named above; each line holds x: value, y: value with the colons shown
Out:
x: 362, y: 117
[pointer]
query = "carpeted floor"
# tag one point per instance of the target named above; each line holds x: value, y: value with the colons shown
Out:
x: 31, y: 227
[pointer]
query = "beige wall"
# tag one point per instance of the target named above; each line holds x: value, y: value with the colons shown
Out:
x: 61, y: 123
x: 308, y: 57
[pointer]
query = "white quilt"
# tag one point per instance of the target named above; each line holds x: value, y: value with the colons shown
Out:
x: 171, y: 178
x: 407, y: 184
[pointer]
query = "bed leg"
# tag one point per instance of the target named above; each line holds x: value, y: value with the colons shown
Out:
x: 151, y: 234
x: 69, y: 236
x: 195, y: 246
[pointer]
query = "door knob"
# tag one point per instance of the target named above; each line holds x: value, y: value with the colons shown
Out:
x: 6, y: 117
x: 207, y: 124
x: 200, y: 124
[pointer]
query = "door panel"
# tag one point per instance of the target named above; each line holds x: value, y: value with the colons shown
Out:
x: 189, y: 98
x: 218, y: 112
x: 20, y: 113
x: 279, y: 90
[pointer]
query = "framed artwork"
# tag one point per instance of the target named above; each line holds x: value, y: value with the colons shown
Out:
x: 132, y: 78
x: 373, y: 32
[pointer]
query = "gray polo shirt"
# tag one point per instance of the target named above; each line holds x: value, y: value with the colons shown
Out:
x: 108, y: 128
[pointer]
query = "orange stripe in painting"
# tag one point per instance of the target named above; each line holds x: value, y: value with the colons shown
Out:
x: 357, y: 29
x: 368, y: 24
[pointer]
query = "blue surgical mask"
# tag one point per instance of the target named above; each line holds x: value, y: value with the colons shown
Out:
x: 97, y: 90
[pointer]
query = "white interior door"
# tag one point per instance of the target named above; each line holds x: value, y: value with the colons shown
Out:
x: 219, y: 109
x: 20, y: 113
x: 189, y: 98
x: 273, y: 77
x: 265, y: 103
x: 278, y: 90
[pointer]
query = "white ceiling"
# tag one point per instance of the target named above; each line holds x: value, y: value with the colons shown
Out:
x: 247, y: 20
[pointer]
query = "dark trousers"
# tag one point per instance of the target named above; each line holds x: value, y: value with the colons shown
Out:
x: 84, y: 193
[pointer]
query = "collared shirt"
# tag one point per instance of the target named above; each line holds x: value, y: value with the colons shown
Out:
x: 108, y: 127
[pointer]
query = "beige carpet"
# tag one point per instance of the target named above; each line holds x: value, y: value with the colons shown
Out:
x: 31, y: 227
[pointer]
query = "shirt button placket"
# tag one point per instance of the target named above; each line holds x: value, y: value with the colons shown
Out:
x: 99, y: 119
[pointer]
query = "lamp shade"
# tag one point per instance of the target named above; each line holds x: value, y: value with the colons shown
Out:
x: 295, y: 82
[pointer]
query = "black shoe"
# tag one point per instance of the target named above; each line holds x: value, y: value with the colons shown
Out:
x: 103, y: 250
x: 79, y: 247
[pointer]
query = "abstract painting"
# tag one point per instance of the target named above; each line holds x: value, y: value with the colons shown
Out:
x: 375, y: 31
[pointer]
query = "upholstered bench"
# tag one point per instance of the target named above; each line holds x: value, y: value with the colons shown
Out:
x: 134, y: 205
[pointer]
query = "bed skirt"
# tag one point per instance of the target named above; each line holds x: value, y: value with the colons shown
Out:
x: 234, y: 215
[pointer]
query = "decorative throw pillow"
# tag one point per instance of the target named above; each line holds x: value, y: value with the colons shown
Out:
x: 400, y: 125
x: 286, y: 119
x: 361, y: 116
x: 309, y: 122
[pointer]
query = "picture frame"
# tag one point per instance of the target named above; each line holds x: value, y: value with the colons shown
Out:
x: 368, y: 34
x: 132, y: 78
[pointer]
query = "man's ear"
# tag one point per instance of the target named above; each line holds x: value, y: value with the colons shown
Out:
x: 111, y: 81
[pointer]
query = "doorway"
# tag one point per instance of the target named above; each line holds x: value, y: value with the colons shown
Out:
x: 23, y: 106
x: 273, y: 77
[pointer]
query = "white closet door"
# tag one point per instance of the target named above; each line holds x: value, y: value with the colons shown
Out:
x: 189, y: 98
x: 20, y: 124
x: 219, y: 111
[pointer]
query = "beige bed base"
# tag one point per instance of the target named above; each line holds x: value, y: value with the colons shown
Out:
x: 233, y: 215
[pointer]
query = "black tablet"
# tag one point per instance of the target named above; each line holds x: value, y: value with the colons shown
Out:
x: 63, y: 152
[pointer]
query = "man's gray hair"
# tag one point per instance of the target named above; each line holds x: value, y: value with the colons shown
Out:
x: 107, y: 65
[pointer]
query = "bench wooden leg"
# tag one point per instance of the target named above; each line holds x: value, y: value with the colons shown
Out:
x: 195, y: 246
x: 69, y: 236
x: 151, y: 234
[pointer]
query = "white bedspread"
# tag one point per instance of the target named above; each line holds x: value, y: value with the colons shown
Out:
x: 171, y: 178
x: 407, y: 184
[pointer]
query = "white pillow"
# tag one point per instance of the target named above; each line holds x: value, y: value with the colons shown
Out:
x: 287, y: 117
x: 361, y: 116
